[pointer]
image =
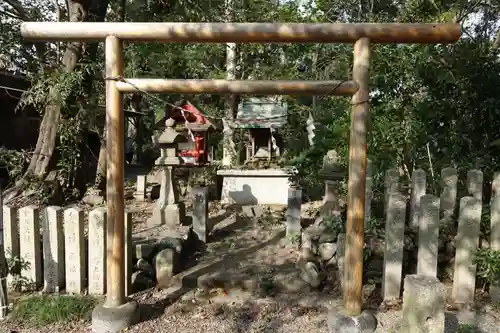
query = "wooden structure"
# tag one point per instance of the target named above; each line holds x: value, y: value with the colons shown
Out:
x: 362, y: 35
x: 195, y: 127
x: 262, y: 117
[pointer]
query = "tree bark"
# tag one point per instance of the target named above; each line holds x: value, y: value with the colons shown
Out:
x: 46, y: 143
x: 228, y: 151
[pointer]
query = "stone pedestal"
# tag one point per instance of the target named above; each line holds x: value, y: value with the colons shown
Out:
x: 332, y: 193
x: 170, y: 214
x: 394, y: 246
x: 424, y: 302
x: 340, y: 323
x: 115, y: 319
x: 449, y: 179
x: 200, y: 212
x: 53, y: 250
x: 331, y: 173
x: 419, y: 185
x: 293, y: 226
x: 4, y: 303
x: 467, y: 242
x: 11, y: 240
x: 140, y: 192
x: 391, y: 183
x: 97, y: 251
x: 74, y: 239
x: 495, y: 230
x: 428, y: 237
x: 29, y: 230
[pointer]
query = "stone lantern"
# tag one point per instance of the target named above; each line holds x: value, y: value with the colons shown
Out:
x: 332, y: 173
x: 167, y: 209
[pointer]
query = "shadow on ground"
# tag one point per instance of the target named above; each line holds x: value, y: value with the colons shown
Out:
x: 242, y: 262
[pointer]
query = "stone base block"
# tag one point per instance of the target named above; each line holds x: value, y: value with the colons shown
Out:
x: 424, y: 303
x: 114, y: 320
x: 339, y: 323
x: 183, y: 242
x: 311, y: 273
x: 169, y: 215
x: 140, y: 196
x: 166, y: 265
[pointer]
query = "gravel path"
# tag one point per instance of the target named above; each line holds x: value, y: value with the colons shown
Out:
x: 463, y: 322
x: 265, y: 315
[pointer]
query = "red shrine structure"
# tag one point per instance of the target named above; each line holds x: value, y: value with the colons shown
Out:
x: 190, y: 122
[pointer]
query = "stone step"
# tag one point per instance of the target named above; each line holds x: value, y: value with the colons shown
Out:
x: 285, y: 281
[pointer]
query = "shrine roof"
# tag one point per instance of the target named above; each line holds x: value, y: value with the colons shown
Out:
x: 197, y: 121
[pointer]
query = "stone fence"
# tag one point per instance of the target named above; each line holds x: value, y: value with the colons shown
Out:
x: 428, y: 216
x: 65, y: 249
x: 60, y: 249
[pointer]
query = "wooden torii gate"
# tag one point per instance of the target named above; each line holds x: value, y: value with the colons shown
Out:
x: 363, y: 35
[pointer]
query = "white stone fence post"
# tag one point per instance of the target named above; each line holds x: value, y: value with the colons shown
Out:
x: 53, y: 251
x: 428, y: 216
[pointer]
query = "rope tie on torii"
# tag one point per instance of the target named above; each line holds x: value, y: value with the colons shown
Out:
x: 309, y: 123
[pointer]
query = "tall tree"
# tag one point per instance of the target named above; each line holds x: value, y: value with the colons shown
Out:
x: 228, y: 144
x: 43, y: 157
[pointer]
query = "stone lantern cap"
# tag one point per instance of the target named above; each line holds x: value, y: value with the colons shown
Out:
x: 332, y: 169
x: 170, y: 135
x: 168, y: 142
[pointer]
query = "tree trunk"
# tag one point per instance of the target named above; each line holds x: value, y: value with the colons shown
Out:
x: 228, y: 151
x: 46, y: 143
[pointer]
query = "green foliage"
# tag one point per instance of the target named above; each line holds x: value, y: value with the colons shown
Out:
x: 45, y: 84
x: 333, y: 224
x: 70, y: 138
x: 15, y: 265
x: 14, y: 162
x: 367, y: 254
x: 270, y: 218
x: 206, y: 176
x: 488, y: 265
x: 485, y: 220
x: 375, y: 227
x: 294, y: 238
x: 40, y: 311
x: 430, y: 105
x: 467, y: 328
